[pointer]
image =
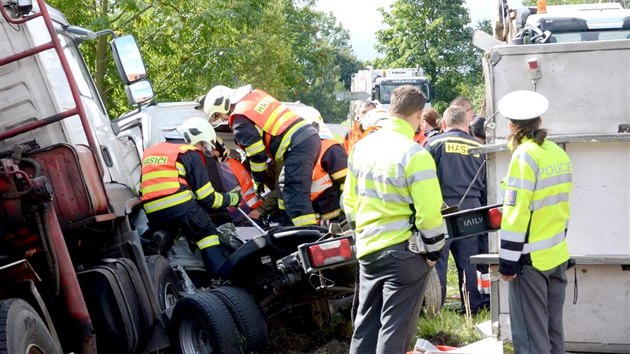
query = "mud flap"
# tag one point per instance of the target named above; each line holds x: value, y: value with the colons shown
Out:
x: 119, y: 308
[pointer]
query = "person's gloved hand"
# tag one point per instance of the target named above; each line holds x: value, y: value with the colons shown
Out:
x: 235, y: 198
x: 509, y: 268
x: 432, y: 257
x: 260, y: 189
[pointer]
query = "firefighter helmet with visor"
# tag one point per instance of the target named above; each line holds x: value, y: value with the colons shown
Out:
x: 197, y: 129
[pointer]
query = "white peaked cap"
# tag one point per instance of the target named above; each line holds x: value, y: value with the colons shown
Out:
x: 523, y: 105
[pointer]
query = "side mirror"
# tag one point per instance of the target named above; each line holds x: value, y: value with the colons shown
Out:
x: 139, y: 92
x: 128, y: 59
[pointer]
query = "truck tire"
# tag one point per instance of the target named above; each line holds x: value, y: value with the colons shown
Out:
x: 201, y: 323
x: 23, y: 331
x: 247, y: 315
x: 165, y: 281
x: 432, y: 302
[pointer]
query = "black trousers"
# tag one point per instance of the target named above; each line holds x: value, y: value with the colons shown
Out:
x: 299, y: 162
x: 196, y: 224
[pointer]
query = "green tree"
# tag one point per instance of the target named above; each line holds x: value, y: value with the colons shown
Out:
x: 434, y: 35
x: 282, y: 46
x: 325, y: 58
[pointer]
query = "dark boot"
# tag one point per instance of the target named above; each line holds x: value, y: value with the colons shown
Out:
x: 213, y: 259
x: 159, y: 242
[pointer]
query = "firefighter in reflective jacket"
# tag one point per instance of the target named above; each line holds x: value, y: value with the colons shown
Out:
x: 176, y: 189
x: 330, y: 170
x: 392, y: 195
x: 462, y: 179
x: 244, y: 182
x: 264, y: 128
x: 534, y: 254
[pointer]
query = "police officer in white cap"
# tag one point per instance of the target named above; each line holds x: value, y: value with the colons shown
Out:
x: 534, y: 254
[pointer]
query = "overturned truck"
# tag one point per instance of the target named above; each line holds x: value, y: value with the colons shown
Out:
x: 579, y: 61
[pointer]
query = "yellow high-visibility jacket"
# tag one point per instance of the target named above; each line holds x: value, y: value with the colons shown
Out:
x: 536, y: 206
x: 390, y: 176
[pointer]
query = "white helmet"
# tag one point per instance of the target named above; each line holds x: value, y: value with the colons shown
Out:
x: 197, y: 129
x: 311, y: 116
x: 171, y: 132
x: 218, y: 100
x: 374, y: 118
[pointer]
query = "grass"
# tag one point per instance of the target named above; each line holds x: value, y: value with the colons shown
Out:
x: 450, y: 327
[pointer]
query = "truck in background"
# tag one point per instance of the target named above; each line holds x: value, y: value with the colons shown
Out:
x: 585, y: 75
x: 379, y: 84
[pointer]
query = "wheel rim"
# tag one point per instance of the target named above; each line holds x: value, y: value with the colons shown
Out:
x: 170, y: 295
x: 194, y: 337
x: 34, y: 349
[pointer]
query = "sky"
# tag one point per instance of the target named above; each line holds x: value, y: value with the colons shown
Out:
x: 361, y: 19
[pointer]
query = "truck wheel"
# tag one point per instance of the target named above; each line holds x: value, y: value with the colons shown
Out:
x: 23, y: 331
x: 247, y: 315
x: 201, y: 323
x: 432, y: 302
x: 165, y: 281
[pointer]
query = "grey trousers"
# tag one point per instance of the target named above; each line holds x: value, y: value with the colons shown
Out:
x: 392, y: 283
x: 536, y: 302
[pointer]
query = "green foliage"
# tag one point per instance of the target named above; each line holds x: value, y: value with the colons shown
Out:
x: 284, y: 47
x: 450, y: 328
x: 432, y: 34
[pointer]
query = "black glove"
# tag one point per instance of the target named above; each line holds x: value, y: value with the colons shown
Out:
x: 433, y: 256
x: 260, y: 188
x: 509, y: 267
x: 235, y: 198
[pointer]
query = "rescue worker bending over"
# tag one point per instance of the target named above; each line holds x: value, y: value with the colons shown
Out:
x: 330, y: 170
x: 176, y: 189
x: 264, y: 128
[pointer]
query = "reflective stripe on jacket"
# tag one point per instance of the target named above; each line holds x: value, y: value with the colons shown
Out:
x: 271, y: 119
x: 162, y: 175
x: 536, y: 205
x: 387, y: 173
x: 245, y: 182
x: 265, y: 111
x: 321, y: 178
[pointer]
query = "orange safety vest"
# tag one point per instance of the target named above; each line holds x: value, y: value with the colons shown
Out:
x: 245, y: 181
x: 370, y: 130
x: 160, y: 173
x: 353, y: 136
x: 419, y: 137
x: 265, y: 111
x: 321, y: 178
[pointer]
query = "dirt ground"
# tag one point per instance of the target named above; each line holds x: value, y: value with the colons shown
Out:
x: 332, y: 339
